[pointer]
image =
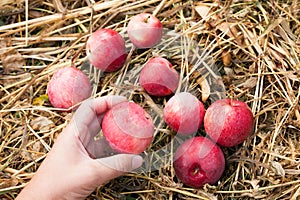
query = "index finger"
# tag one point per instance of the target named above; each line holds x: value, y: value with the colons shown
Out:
x: 90, y: 109
x: 103, y: 104
x: 87, y: 118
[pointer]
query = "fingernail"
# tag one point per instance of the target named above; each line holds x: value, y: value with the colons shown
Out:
x: 137, y: 161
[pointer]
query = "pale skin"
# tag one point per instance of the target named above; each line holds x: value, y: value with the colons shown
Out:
x: 75, y: 166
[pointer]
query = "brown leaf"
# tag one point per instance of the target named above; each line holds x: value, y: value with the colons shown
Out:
x: 226, y: 58
x: 41, y: 123
x: 250, y: 83
x: 37, y: 146
x: 37, y: 150
x: 12, y: 61
x: 205, y: 88
x: 278, y: 169
x: 231, y: 31
x: 225, y: 27
x: 202, y: 10
x: 19, y: 131
x: 286, y: 33
x: 229, y: 72
x: 275, y: 54
x: 3, y: 45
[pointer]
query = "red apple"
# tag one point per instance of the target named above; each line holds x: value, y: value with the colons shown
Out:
x: 228, y: 122
x: 106, y: 50
x: 68, y: 87
x: 184, y: 113
x: 128, y: 128
x: 199, y: 161
x: 158, y: 77
x: 144, y: 30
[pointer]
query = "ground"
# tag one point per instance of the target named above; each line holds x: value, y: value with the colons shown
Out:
x: 245, y: 50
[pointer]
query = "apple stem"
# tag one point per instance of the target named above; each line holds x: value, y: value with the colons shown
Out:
x: 231, y: 101
x: 196, y: 170
x: 231, y: 94
x: 147, y: 19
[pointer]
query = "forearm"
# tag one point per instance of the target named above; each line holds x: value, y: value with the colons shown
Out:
x: 39, y: 188
x: 36, y: 192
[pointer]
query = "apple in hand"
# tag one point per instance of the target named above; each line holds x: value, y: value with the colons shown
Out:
x: 68, y: 87
x: 106, y: 50
x: 158, y: 77
x: 128, y: 128
x: 144, y: 30
x: 184, y: 113
x: 198, y: 161
x: 228, y: 122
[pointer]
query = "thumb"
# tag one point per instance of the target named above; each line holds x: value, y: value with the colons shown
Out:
x: 117, y: 165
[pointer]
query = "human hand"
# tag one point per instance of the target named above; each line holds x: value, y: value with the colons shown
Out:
x: 74, y: 167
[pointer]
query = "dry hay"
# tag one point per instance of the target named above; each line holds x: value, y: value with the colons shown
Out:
x: 253, y: 45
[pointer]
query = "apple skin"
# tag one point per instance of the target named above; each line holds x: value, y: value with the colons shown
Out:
x: 68, y: 87
x: 128, y: 128
x: 158, y: 77
x: 228, y: 122
x: 198, y: 161
x: 184, y: 113
x: 106, y: 50
x: 144, y: 30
